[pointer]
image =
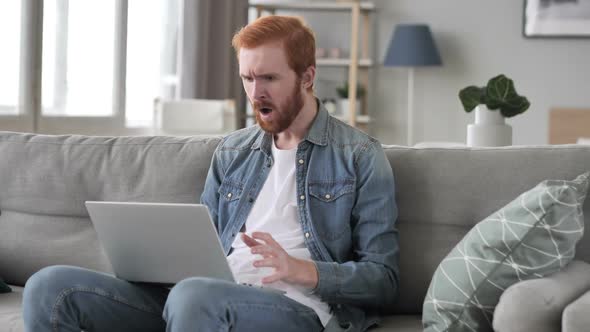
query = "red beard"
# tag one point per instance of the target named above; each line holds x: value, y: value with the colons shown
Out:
x: 284, y: 115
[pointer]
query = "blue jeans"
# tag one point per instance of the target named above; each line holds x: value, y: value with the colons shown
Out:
x: 64, y: 298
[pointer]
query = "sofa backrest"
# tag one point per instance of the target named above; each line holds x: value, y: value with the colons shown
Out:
x: 441, y: 193
x: 45, y: 180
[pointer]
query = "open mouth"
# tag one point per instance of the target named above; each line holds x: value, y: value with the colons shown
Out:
x: 265, y: 110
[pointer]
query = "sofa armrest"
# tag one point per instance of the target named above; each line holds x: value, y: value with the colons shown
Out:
x: 575, y: 316
x: 537, y: 304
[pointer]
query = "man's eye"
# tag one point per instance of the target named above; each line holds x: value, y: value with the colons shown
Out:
x: 247, y: 79
x: 270, y: 78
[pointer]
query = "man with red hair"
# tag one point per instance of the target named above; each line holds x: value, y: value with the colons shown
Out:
x: 303, y: 204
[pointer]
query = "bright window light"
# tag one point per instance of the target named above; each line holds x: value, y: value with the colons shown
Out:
x: 10, y: 12
x: 78, y: 57
x: 151, y: 57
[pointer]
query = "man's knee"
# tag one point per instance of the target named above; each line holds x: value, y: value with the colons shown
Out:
x: 197, y: 290
x: 48, y: 282
x: 43, y: 288
x: 195, y: 294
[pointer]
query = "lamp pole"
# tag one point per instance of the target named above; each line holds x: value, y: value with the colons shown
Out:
x: 410, y: 139
x: 411, y: 46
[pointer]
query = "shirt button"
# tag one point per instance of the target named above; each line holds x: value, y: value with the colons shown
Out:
x: 250, y: 199
x: 302, y: 197
x: 307, y: 235
x: 229, y: 195
x: 328, y: 196
x: 301, y: 161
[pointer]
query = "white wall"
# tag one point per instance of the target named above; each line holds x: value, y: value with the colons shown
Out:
x: 477, y: 39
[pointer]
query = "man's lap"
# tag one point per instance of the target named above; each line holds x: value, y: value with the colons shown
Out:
x: 103, y: 297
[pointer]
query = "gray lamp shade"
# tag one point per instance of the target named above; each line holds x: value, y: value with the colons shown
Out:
x: 412, y: 45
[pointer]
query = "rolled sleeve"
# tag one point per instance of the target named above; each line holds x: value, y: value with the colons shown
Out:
x: 327, y: 279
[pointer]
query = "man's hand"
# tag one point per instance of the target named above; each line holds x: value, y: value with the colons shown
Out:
x: 287, y: 268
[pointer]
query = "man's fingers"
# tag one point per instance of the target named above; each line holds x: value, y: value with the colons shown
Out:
x: 263, y: 250
x: 267, y: 262
x: 250, y: 242
x: 271, y: 278
x: 267, y: 238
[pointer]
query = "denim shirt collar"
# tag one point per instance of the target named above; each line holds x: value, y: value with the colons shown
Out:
x: 317, y: 133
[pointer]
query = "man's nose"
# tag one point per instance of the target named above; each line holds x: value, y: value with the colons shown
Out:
x: 258, y: 90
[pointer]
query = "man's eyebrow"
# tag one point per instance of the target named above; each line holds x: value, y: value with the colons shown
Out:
x: 269, y: 74
x: 261, y: 75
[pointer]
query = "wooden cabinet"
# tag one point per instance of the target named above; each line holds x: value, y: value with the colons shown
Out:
x: 359, y: 61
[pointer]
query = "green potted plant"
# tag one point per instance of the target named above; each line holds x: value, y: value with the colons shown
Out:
x: 498, y: 94
x: 492, y: 103
x: 343, y: 102
x: 342, y: 91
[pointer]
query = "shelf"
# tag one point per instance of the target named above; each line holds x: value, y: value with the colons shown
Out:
x: 359, y: 118
x: 335, y: 62
x: 308, y: 5
x: 358, y: 64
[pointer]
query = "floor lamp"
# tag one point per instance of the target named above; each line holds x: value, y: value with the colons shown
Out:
x: 411, y: 46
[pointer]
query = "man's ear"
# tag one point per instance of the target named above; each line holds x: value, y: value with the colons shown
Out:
x: 308, y: 77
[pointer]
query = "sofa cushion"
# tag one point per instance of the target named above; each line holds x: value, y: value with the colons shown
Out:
x: 46, y: 179
x: 537, y: 304
x: 533, y: 236
x: 10, y: 311
x: 575, y: 317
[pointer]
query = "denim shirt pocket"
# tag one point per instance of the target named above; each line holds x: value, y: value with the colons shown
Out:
x: 230, y: 190
x: 329, y: 191
x: 331, y: 204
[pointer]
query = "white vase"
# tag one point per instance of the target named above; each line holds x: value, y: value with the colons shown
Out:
x: 489, y: 129
x: 344, y: 106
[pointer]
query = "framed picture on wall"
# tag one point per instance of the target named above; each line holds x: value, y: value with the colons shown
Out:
x: 556, y: 18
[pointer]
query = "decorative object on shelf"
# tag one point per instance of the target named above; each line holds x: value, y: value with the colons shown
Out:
x: 320, y: 52
x: 343, y: 102
x: 557, y: 19
x: 412, y: 46
x: 330, y: 105
x: 335, y: 53
x: 493, y: 103
x: 489, y: 129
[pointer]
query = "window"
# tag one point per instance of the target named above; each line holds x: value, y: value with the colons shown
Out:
x: 78, y: 57
x: 152, y: 35
x: 10, y: 13
x: 103, y: 62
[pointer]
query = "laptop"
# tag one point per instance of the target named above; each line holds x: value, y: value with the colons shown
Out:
x: 159, y: 242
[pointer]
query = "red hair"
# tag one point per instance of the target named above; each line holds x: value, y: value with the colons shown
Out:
x: 297, y: 38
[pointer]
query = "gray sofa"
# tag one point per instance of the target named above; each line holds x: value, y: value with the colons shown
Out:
x: 441, y: 194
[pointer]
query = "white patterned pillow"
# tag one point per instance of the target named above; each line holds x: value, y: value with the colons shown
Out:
x: 533, y: 236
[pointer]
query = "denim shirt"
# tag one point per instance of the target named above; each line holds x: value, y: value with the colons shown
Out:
x: 347, y: 211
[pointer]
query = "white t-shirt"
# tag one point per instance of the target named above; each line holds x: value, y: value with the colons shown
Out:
x: 275, y: 211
